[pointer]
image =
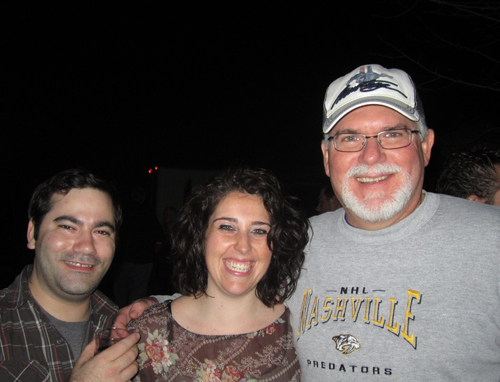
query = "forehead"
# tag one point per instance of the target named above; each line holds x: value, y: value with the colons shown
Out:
x: 84, y: 203
x: 372, y: 117
x: 248, y: 204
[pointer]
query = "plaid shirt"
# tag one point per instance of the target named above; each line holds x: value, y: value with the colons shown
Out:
x: 31, y: 349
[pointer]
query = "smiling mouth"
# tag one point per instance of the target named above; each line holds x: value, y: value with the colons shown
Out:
x: 79, y: 265
x: 372, y: 180
x: 238, y: 267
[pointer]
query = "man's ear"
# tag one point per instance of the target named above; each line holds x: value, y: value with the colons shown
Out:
x: 427, y: 144
x: 476, y: 198
x: 326, y: 157
x: 31, y: 235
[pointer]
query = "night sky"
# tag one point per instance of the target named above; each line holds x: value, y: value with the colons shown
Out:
x: 121, y: 88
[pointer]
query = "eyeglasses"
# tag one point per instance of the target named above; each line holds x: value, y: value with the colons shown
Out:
x: 389, y: 140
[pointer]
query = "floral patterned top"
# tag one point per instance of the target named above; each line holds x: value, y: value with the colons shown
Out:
x: 168, y: 352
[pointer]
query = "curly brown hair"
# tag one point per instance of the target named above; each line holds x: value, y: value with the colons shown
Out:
x: 287, y: 237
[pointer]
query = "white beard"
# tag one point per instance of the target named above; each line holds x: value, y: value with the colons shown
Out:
x: 391, y: 205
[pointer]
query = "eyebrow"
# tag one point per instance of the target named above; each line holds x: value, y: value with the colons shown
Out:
x: 233, y: 220
x: 353, y: 131
x: 79, y: 222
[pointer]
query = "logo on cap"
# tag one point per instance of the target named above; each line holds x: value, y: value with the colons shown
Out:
x: 367, y: 81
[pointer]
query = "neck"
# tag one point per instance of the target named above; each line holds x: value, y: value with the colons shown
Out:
x: 69, y: 311
x: 219, y: 315
x: 231, y: 308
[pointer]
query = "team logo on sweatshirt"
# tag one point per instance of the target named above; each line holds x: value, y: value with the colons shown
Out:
x: 346, y: 343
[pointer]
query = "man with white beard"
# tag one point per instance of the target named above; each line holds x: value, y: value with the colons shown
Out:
x: 401, y: 284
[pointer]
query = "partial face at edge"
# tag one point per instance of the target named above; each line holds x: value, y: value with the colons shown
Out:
x: 496, y: 197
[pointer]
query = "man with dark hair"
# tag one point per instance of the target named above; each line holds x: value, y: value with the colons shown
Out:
x: 473, y: 174
x: 62, y: 183
x: 49, y: 314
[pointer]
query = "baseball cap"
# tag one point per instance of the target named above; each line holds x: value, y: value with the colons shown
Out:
x: 371, y: 85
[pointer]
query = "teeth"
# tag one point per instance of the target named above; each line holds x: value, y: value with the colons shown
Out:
x: 79, y: 264
x: 371, y: 180
x: 237, y: 267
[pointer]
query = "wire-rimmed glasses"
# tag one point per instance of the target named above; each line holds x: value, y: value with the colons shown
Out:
x: 388, y: 139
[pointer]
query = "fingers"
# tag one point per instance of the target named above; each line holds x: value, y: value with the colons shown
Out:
x: 118, y: 333
x: 133, y: 311
x: 139, y: 306
x: 115, y: 364
x: 87, y: 353
x: 123, y: 318
x: 126, y: 362
x: 130, y: 371
x: 119, y: 349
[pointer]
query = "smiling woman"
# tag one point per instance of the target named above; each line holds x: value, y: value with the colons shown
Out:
x: 238, y: 251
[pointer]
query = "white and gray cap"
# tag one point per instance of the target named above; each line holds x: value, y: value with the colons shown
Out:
x: 371, y: 85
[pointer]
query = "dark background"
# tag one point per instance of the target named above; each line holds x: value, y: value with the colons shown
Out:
x: 122, y: 88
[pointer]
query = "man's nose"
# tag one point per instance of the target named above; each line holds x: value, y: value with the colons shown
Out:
x: 372, y: 152
x: 84, y: 244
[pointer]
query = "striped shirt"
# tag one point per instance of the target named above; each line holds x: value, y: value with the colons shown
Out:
x: 31, y: 348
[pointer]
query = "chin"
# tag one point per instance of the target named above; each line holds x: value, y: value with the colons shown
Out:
x: 377, y: 207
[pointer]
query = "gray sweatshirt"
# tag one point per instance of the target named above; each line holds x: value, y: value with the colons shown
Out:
x: 417, y: 301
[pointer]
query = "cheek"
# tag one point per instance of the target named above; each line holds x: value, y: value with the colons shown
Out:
x: 209, y: 247
x: 217, y: 243
x: 411, y: 160
x: 54, y: 243
x: 212, y: 251
x: 340, y: 165
x: 338, y: 177
x: 415, y: 169
x: 105, y: 247
x: 265, y: 253
x: 109, y: 251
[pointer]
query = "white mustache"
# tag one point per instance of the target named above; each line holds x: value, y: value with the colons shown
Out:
x: 381, y: 168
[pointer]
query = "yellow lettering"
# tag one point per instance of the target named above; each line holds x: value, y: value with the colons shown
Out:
x: 313, y: 317
x: 340, y: 308
x: 390, y: 324
x: 327, y: 309
x: 303, y: 311
x: 355, y: 306
x: 375, y: 314
x: 412, y: 295
x: 367, y: 310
